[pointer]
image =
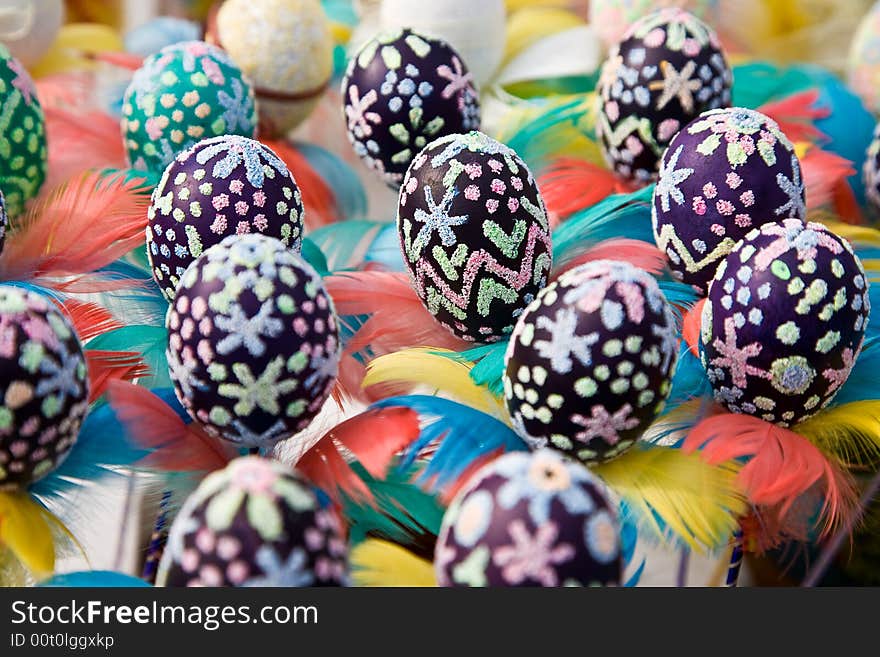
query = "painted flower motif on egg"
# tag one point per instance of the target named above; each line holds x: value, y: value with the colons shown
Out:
x: 253, y: 346
x: 530, y: 519
x: 784, y: 321
x: 401, y: 91
x: 23, y: 153
x: 44, y: 386
x: 590, y: 363
x: 228, y: 185
x: 666, y: 70
x: 255, y: 523
x: 184, y: 93
x: 727, y: 172
x: 474, y: 233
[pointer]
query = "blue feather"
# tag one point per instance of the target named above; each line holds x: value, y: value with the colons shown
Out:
x: 341, y: 179
x: 463, y: 435
x: 385, y: 249
x: 313, y: 255
x: 148, y: 341
x: 863, y: 383
x: 37, y: 289
x: 94, y: 579
x: 690, y: 380
x: 629, y: 536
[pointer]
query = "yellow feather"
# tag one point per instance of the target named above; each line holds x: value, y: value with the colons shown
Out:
x: 698, y: 503
x: 529, y: 25
x: 24, y: 529
x: 427, y: 366
x: 380, y: 563
x: 849, y: 432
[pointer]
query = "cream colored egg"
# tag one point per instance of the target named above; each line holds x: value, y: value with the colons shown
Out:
x: 28, y: 27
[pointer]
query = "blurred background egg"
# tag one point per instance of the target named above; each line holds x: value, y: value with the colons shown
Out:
x: 228, y: 185
x: 666, y: 69
x: 863, y: 63
x: 474, y: 233
x: 871, y: 173
x: 530, y: 519
x: 255, y: 523
x: 784, y: 321
x: 150, y: 37
x: 611, y: 18
x: 727, y: 172
x: 253, y: 346
x: 28, y: 27
x: 590, y: 363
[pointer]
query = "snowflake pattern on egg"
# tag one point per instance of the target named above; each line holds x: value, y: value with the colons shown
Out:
x: 184, y: 93
x: 530, y: 519
x: 401, y: 91
x: 474, y: 233
x: 23, y: 152
x: 228, y: 185
x: 253, y: 345
x: 44, y: 389
x: 667, y: 69
x: 590, y: 363
x: 255, y: 523
x: 784, y: 321
x: 727, y: 172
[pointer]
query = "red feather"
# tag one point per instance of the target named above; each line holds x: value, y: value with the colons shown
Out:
x: 80, y: 141
x: 318, y: 199
x: 636, y: 252
x: 825, y: 177
x: 176, y: 446
x: 691, y: 327
x: 795, y: 115
x: 90, y: 319
x: 78, y: 228
x: 782, y: 467
x: 107, y: 366
x: 126, y: 60
x: 325, y: 467
x: 569, y: 185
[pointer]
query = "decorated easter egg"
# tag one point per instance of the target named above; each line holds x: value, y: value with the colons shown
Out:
x: 666, y: 70
x: 401, y: 91
x: 44, y: 386
x: 28, y: 27
x: 159, y: 32
x: 22, y: 135
x: 871, y: 172
x: 228, y: 185
x: 184, y: 93
x: 530, y: 519
x: 285, y: 48
x: 784, y: 321
x: 254, y: 523
x: 4, y: 221
x: 611, y: 18
x: 590, y: 363
x: 863, y: 63
x: 253, y: 347
x: 474, y: 233
x: 725, y: 173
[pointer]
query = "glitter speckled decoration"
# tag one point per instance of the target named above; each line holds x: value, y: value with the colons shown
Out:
x: 784, y: 321
x: 530, y: 519
x: 44, y: 386
x: 590, y: 362
x: 4, y: 220
x: 223, y: 186
x: 474, y: 233
x: 667, y: 69
x: 253, y: 346
x: 23, y: 154
x: 255, y: 523
x: 184, y: 93
x: 401, y: 91
x: 725, y: 173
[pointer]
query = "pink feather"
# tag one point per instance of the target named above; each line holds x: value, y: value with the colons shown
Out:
x: 80, y: 141
x: 825, y: 177
x: 640, y: 254
x: 569, y: 185
x: 796, y: 114
x: 690, y: 331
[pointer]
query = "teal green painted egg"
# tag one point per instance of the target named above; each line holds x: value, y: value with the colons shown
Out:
x: 23, y: 152
x: 183, y: 94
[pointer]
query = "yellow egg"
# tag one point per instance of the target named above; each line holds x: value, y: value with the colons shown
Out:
x: 75, y: 42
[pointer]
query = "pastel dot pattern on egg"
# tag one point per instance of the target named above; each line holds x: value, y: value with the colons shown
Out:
x: 44, y: 387
x: 475, y: 236
x: 253, y: 345
x: 184, y: 93
x: 530, y: 519
x: 228, y: 185
x: 666, y: 70
x: 727, y: 172
x: 401, y: 91
x: 590, y: 363
x: 23, y: 152
x: 255, y: 523
x: 784, y: 321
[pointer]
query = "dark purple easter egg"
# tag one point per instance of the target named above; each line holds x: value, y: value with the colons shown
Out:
x: 590, y: 363
x: 667, y: 69
x: 401, y: 91
x: 253, y: 347
x: 530, y: 519
x: 44, y: 386
x: 474, y: 234
x: 228, y: 185
x: 784, y: 321
x: 254, y: 523
x: 871, y: 171
x: 727, y: 172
